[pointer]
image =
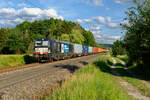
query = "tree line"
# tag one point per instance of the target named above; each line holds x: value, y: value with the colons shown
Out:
x: 118, y: 48
x: 21, y: 38
x: 137, y: 38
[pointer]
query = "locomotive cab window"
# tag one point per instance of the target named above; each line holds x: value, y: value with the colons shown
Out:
x: 45, y: 43
x: 38, y: 43
x: 41, y: 43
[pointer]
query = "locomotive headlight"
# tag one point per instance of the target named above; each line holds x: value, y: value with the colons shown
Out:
x: 41, y: 50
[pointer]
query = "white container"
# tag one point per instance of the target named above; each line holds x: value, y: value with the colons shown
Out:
x: 77, y: 48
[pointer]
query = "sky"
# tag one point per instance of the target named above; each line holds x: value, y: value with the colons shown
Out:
x: 101, y: 17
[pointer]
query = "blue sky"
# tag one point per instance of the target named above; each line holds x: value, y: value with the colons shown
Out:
x: 102, y: 17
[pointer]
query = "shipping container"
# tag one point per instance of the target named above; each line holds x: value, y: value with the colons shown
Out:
x: 71, y: 48
x: 105, y: 50
x: 94, y: 49
x: 64, y: 47
x: 99, y: 50
x: 85, y: 49
x: 77, y: 48
x: 90, y: 50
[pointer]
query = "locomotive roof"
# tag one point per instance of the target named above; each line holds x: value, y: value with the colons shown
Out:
x: 64, y: 42
x: 43, y: 39
x: 47, y: 38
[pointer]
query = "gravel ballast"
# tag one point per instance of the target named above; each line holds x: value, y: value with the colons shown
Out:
x: 29, y: 84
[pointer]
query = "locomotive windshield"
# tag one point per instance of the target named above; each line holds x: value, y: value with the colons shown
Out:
x: 41, y: 43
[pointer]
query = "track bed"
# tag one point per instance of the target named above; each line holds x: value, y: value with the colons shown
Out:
x: 28, y: 83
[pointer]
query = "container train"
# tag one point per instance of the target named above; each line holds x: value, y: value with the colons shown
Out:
x: 50, y: 49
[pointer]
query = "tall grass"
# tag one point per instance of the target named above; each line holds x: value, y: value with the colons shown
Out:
x: 91, y: 83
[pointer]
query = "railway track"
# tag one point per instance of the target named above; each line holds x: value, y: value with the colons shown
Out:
x: 17, y: 68
x: 20, y: 76
x: 54, y: 70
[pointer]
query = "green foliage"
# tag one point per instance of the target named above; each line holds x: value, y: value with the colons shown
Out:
x: 21, y: 38
x: 90, y: 83
x: 4, y: 33
x: 137, y: 38
x: 118, y: 48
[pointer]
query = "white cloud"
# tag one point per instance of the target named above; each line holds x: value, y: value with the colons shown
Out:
x: 88, y: 20
x: 100, y: 20
x: 99, y: 36
x: 125, y: 22
x: 113, y: 25
x: 78, y: 21
x: 102, y: 38
x: 123, y: 1
x: 96, y: 27
x: 109, y: 19
x: 107, y: 8
x: 10, y: 15
x: 107, y: 39
x: 93, y: 2
x: 21, y: 5
x: 95, y: 32
x: 112, y: 37
x: 98, y: 2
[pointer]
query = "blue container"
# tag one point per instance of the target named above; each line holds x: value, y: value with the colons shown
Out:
x: 66, y: 48
x: 85, y: 49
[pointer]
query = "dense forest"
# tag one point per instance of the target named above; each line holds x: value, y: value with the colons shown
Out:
x: 21, y: 39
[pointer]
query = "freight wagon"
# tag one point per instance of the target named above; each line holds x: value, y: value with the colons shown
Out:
x: 90, y: 50
x: 51, y: 49
x: 77, y: 50
x: 85, y: 50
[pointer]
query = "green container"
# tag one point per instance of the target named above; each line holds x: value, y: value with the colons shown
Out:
x: 90, y: 50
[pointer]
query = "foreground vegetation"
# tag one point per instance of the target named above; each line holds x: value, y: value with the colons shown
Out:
x: 130, y: 78
x: 137, y: 38
x: 134, y: 68
x: 136, y: 42
x: 15, y: 60
x: 91, y: 83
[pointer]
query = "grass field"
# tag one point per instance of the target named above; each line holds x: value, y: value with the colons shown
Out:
x: 93, y: 82
x: 14, y: 60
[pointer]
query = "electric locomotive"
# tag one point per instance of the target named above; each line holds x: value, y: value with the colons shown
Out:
x: 51, y: 49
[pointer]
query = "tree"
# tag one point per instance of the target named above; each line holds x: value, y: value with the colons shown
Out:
x: 137, y: 38
x: 15, y: 44
x: 4, y: 33
x: 118, y: 48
